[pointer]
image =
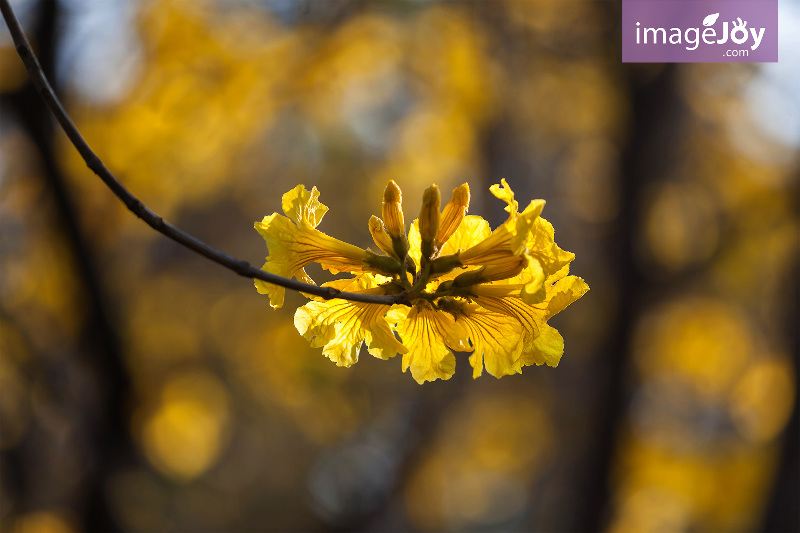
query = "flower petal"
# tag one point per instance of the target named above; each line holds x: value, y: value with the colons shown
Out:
x: 382, y: 239
x: 276, y: 293
x: 494, y: 298
x: 340, y: 327
x: 496, y: 340
x: 304, y: 207
x: 425, y: 333
x: 523, y: 224
x: 563, y: 293
x: 291, y: 247
x: 278, y: 231
x: 509, y: 238
x: 547, y: 348
x: 542, y: 344
x: 504, y: 192
x: 542, y: 246
x: 414, y: 241
x: 472, y: 230
x: 534, y: 289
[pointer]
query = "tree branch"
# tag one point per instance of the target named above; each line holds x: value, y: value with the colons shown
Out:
x: 239, y: 266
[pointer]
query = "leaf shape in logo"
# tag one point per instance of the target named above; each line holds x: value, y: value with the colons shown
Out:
x: 711, y: 19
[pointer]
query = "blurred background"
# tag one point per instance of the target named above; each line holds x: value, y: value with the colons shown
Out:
x: 143, y: 388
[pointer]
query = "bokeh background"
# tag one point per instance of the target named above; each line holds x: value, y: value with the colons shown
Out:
x: 143, y: 388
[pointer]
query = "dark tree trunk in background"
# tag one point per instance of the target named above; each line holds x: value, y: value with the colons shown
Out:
x: 101, y: 418
x: 655, y: 112
x: 783, y: 509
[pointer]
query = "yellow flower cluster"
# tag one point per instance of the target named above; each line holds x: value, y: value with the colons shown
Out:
x: 463, y: 286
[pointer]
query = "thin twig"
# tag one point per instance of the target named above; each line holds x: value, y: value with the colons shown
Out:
x: 241, y: 267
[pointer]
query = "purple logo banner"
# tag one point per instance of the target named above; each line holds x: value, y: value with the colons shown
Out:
x: 699, y: 31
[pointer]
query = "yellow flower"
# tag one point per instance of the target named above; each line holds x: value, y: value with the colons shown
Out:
x: 428, y: 334
x: 341, y: 326
x: 542, y: 344
x: 463, y: 287
x: 294, y: 242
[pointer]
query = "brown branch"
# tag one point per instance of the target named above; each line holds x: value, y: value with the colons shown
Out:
x: 241, y: 267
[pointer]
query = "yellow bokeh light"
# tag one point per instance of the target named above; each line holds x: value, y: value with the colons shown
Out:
x: 476, y: 472
x: 43, y: 522
x: 705, y: 340
x: 761, y: 402
x: 709, y: 490
x: 681, y: 226
x: 184, y: 435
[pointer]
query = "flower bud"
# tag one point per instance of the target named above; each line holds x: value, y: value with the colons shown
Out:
x: 495, y: 270
x: 504, y: 268
x: 467, y: 279
x: 453, y: 214
x: 379, y: 235
x: 393, y: 219
x: 429, y: 220
x: 445, y: 263
x: 392, y: 211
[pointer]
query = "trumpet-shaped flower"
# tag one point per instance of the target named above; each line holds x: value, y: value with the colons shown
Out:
x: 459, y: 286
x: 340, y: 327
x: 294, y: 242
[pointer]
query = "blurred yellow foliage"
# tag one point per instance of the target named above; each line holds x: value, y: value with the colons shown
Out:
x: 718, y: 490
x: 279, y: 368
x: 350, y: 72
x: 652, y: 509
x: 553, y: 20
x: 571, y: 100
x: 761, y: 401
x: 177, y: 136
x: 475, y: 472
x: 39, y: 282
x: 706, y: 341
x: 681, y: 227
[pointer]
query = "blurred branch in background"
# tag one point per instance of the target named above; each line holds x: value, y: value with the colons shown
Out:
x: 95, y: 390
